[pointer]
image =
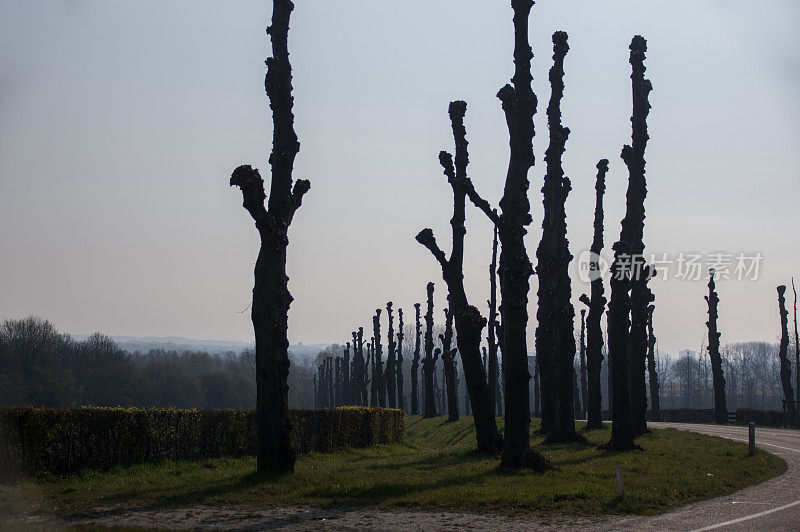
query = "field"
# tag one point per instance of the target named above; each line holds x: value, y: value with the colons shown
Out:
x: 435, y: 468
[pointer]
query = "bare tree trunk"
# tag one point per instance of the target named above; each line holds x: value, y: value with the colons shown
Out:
x: 415, y: 365
x: 537, y: 407
x: 597, y: 303
x: 468, y: 320
x: 796, y: 354
x: 346, y: 391
x: 374, y: 388
x: 429, y: 362
x: 655, y: 399
x: 337, y: 382
x: 584, y: 384
x: 390, y: 374
x: 786, y: 365
x: 316, y: 394
x: 555, y: 341
x: 619, y: 308
x: 519, y: 106
x: 633, y: 235
x: 630, y: 296
x: 271, y: 298
x: 720, y: 404
x: 494, y: 386
x: 377, y: 349
x: 400, y: 335
x: 449, y: 370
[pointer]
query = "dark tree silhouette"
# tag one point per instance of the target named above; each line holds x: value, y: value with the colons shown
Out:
x: 359, y: 376
x: 468, y: 320
x: 619, y: 322
x: 346, y: 390
x: 597, y: 303
x: 519, y: 106
x: 655, y: 399
x: 415, y: 363
x: 584, y: 388
x: 537, y: 407
x: 400, y: 335
x: 316, y: 394
x: 375, y: 381
x: 428, y: 363
x: 633, y: 234
x: 796, y: 354
x: 271, y: 298
x: 786, y: 365
x: 630, y: 296
x: 377, y: 349
x: 337, y: 382
x: 330, y: 383
x: 576, y: 393
x: 390, y: 373
x: 720, y: 404
x: 555, y: 340
x: 449, y: 363
x: 491, y: 339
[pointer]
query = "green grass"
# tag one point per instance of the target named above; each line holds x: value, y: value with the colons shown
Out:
x: 435, y: 468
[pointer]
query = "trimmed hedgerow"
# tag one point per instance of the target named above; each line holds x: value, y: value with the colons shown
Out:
x: 58, y: 441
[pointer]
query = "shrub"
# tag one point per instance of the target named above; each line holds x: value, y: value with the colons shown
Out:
x: 58, y: 441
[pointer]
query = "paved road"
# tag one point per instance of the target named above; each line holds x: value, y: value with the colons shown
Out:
x: 773, y: 505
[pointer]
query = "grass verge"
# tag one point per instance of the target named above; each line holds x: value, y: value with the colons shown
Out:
x: 435, y: 468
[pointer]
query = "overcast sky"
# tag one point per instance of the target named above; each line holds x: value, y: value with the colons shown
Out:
x: 120, y: 123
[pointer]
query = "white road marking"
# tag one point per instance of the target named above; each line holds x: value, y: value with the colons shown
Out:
x: 747, y: 518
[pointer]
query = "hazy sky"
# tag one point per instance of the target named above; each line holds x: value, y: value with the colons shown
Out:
x: 120, y: 123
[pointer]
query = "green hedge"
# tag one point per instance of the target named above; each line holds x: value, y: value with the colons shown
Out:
x: 44, y: 440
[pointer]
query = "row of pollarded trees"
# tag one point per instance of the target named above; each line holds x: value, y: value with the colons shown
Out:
x: 629, y: 308
x: 367, y: 381
x: 790, y: 403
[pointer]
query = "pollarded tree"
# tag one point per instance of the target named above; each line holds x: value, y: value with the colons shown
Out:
x: 390, y: 373
x: 655, y: 387
x: 584, y: 389
x: 519, y: 105
x: 786, y: 365
x: 491, y: 339
x: 415, y: 364
x: 400, y: 335
x: 377, y: 350
x: 720, y: 404
x: 449, y: 362
x: 619, y: 323
x: 337, y: 381
x: 555, y: 340
x: 796, y: 353
x: 375, y: 376
x: 630, y: 295
x: 597, y: 304
x: 346, y: 395
x: 633, y: 234
x: 271, y: 298
x: 468, y: 320
x: 429, y: 362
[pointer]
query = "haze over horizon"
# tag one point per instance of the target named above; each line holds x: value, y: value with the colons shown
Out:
x: 120, y: 124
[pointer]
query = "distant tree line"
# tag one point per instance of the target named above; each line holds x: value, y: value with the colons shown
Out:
x: 40, y: 366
